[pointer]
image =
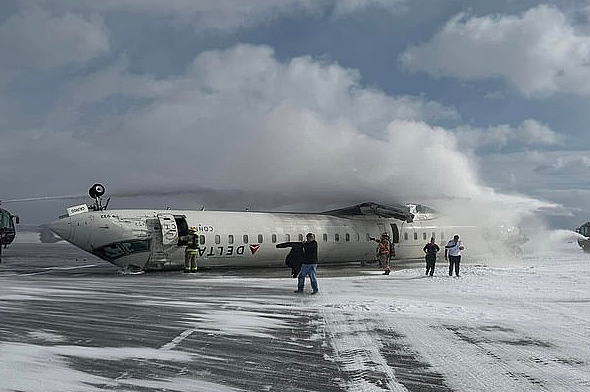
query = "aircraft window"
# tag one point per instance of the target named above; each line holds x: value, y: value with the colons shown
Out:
x: 136, y: 246
x: 274, y: 238
x: 358, y: 237
x: 433, y: 234
x: 110, y: 252
x: 287, y: 237
x: 300, y: 237
x: 202, y: 239
x: 415, y: 236
x: 325, y: 236
x: 406, y: 236
x: 260, y: 238
x: 368, y: 237
x: 336, y: 237
x: 217, y: 239
x: 245, y: 238
x: 423, y: 235
x: 230, y: 239
x: 347, y: 237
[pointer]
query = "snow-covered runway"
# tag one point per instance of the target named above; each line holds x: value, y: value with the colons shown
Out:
x: 502, y: 326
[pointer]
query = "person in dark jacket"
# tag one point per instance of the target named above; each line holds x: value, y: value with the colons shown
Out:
x: 309, y: 265
x: 430, y: 249
x: 295, y: 256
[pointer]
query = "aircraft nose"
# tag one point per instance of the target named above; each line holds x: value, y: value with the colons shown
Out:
x: 61, y: 227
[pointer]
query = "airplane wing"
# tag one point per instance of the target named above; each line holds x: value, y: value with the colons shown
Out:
x: 397, y: 211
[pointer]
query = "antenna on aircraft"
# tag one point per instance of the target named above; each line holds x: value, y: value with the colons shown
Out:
x: 96, y: 191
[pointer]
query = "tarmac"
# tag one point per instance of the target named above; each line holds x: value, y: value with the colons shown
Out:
x: 214, y: 330
x: 70, y: 322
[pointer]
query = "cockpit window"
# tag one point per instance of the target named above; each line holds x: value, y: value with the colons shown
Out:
x: 5, y: 220
x: 136, y: 246
x: 109, y: 252
x: 114, y: 251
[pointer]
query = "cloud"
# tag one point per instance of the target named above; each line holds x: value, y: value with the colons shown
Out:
x: 244, y: 120
x: 229, y: 15
x: 35, y: 39
x: 539, y: 52
x: 530, y: 133
x: 565, y: 165
x: 345, y: 7
x: 239, y: 119
x: 532, y: 171
x: 560, y: 176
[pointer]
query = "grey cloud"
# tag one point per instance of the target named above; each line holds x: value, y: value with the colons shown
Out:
x: 229, y: 15
x: 345, y: 7
x: 530, y: 133
x: 565, y: 165
x: 240, y: 119
x: 539, y: 52
x: 559, y: 176
x: 39, y: 39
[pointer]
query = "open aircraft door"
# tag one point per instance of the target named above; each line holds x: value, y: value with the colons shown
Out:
x: 164, y: 237
x: 394, y: 234
x: 169, y: 229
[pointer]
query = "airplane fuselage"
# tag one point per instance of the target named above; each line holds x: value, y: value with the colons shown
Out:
x: 153, y: 239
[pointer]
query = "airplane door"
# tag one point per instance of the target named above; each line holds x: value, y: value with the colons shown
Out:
x: 169, y: 229
x: 394, y: 233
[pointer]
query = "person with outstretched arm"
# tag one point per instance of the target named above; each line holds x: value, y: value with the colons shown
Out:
x: 295, y: 256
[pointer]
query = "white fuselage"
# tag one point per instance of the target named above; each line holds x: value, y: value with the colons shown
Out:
x: 152, y: 239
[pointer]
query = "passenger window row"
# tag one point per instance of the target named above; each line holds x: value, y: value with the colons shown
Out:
x: 424, y: 236
x: 274, y: 238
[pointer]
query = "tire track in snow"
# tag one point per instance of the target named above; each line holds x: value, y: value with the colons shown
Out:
x: 376, y: 357
x: 358, y: 351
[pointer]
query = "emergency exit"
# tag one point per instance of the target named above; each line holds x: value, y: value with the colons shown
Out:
x: 169, y: 229
x: 394, y: 234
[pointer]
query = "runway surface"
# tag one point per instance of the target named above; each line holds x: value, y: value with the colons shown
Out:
x: 69, y: 322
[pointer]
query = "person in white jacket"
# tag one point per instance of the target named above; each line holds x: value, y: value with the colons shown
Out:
x: 453, y: 250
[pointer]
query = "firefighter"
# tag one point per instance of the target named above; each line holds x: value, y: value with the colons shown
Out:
x: 384, y: 252
x: 191, y: 250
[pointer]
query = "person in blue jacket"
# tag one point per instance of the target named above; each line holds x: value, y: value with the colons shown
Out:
x: 309, y: 265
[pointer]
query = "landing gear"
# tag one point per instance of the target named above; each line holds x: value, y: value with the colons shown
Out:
x: 96, y: 191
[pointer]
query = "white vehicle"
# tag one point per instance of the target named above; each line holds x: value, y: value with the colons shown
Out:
x: 138, y: 240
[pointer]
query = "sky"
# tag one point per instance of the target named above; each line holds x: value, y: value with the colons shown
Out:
x: 297, y: 104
